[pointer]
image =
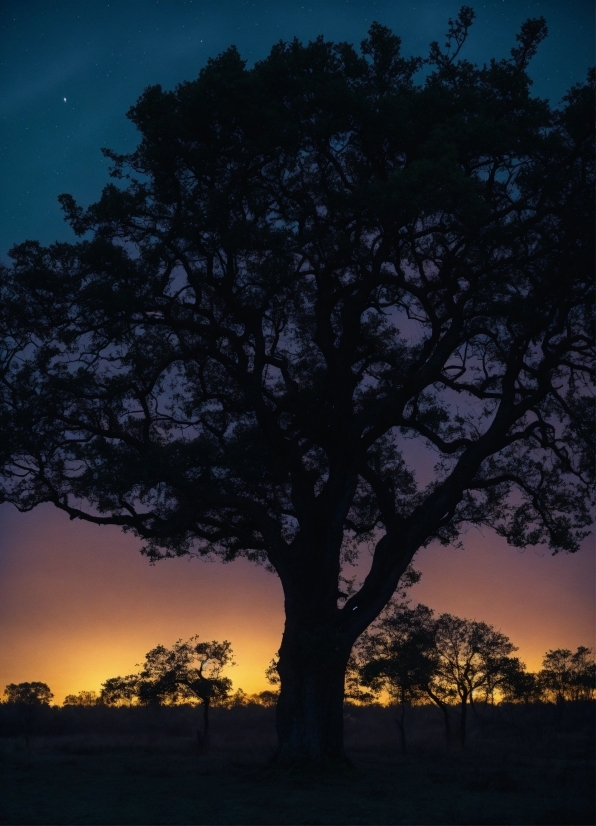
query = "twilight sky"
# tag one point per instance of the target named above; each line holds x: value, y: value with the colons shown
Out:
x: 78, y: 603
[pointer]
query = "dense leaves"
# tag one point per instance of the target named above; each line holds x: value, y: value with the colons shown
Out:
x: 28, y: 694
x: 86, y: 699
x: 413, y: 657
x: 417, y: 657
x: 568, y: 676
x: 189, y: 671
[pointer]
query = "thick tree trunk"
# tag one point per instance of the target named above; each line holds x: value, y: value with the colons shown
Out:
x: 310, y: 707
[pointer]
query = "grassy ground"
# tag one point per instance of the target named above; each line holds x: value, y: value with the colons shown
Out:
x: 503, y: 777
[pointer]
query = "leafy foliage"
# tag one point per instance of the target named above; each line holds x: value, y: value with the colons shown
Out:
x: 519, y: 685
x: 568, y: 676
x: 28, y: 694
x: 416, y: 657
x: 190, y: 671
x: 83, y: 698
x: 120, y: 690
x: 472, y: 657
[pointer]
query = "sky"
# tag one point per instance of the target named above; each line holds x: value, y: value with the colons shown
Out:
x: 78, y: 603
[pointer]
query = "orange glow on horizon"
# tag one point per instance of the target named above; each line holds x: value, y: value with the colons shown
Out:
x: 79, y: 604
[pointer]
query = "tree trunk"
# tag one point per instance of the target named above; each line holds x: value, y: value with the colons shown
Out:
x: 447, y: 721
x: 401, y: 723
x: 206, y: 704
x: 462, y: 721
x: 312, y: 667
x: 444, y: 708
x: 559, y: 711
x: 203, y: 736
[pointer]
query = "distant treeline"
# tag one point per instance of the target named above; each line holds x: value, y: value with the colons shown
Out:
x: 413, y: 657
x: 409, y: 657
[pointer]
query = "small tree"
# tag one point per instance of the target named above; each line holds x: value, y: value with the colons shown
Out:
x: 517, y: 684
x: 118, y: 691
x: 583, y: 681
x: 239, y: 699
x: 471, y: 659
x: 29, y: 698
x: 83, y: 698
x: 186, y: 672
x: 267, y: 699
x: 28, y: 694
x: 398, y: 655
x: 568, y: 676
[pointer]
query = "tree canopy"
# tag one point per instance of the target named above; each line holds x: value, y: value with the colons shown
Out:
x: 188, y: 671
x: 414, y: 657
x: 327, y: 300
x: 86, y: 699
x: 418, y: 657
x: 28, y: 694
x: 568, y: 675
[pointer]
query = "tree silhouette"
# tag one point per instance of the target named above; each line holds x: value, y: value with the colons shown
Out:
x: 518, y: 685
x: 399, y: 656
x: 309, y: 279
x: 415, y: 656
x: 83, y: 698
x: 568, y: 676
x: 267, y: 698
x: 120, y: 690
x: 29, y: 698
x: 471, y: 660
x: 187, y: 671
x: 28, y: 694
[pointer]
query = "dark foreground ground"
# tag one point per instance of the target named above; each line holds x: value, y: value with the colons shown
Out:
x: 128, y: 766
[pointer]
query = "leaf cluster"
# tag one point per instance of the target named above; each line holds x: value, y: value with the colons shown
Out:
x: 28, y: 694
x: 189, y: 671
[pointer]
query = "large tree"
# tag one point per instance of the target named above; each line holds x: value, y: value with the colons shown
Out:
x: 312, y: 278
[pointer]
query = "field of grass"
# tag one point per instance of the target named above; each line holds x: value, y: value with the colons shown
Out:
x: 141, y: 766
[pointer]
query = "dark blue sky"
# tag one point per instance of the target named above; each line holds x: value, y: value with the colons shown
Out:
x: 100, y: 55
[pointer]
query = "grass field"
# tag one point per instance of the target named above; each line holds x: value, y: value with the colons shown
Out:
x: 533, y: 770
